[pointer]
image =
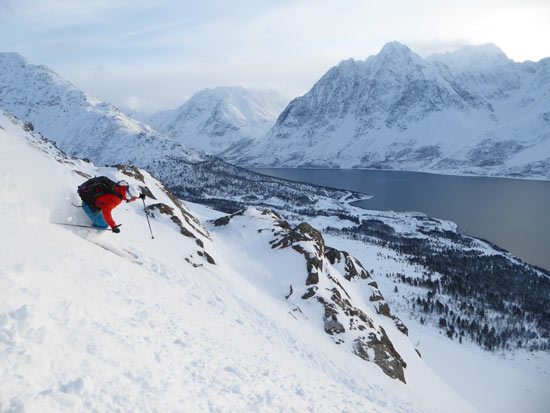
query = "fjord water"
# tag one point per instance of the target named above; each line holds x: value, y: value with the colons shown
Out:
x: 512, y: 213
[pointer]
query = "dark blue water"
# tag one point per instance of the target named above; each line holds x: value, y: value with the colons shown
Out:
x: 512, y: 213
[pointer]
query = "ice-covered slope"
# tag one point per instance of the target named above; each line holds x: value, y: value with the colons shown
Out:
x: 471, y: 111
x: 195, y: 319
x: 221, y: 121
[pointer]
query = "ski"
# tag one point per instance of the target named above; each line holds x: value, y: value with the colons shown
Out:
x: 75, y: 205
x: 81, y: 226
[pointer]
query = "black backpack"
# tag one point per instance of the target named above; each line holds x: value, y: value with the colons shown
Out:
x: 93, y: 188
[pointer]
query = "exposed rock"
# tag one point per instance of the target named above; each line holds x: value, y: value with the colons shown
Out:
x: 385, y: 355
x: 327, y: 273
x: 190, y: 219
x: 310, y: 293
x: 82, y: 174
x: 225, y: 220
x: 338, y: 309
x: 289, y: 293
x: 147, y: 192
x: 169, y: 211
x: 207, y: 256
x: 131, y: 171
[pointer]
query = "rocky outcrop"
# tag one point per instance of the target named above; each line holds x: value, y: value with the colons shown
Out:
x: 169, y: 211
x: 329, y: 273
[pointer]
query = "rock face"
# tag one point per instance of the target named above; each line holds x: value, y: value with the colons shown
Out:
x: 221, y: 121
x: 471, y: 111
x: 331, y: 288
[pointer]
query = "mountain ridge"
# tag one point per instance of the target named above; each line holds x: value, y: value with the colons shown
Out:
x: 70, y: 117
x: 395, y: 110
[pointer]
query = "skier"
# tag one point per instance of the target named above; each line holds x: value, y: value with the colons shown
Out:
x: 100, y: 196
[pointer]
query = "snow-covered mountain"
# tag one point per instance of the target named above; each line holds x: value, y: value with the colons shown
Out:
x: 221, y: 121
x: 85, y: 127
x: 469, y: 111
x: 244, y: 313
x: 80, y: 124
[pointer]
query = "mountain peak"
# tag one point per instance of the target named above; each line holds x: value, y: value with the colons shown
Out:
x: 477, y: 57
x: 222, y: 117
x: 394, y: 48
x: 395, y: 53
x: 13, y: 58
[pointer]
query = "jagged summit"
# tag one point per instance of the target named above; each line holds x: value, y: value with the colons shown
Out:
x: 395, y: 55
x: 14, y: 58
x: 17, y: 68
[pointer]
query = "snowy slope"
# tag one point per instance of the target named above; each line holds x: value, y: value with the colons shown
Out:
x: 191, y: 320
x: 221, y: 121
x: 470, y: 111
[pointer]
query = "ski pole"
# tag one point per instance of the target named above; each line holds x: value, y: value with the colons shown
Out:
x: 147, y: 215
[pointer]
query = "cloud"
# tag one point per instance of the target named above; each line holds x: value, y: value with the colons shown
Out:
x: 166, y: 50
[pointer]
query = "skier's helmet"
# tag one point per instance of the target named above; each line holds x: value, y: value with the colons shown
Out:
x: 125, y: 185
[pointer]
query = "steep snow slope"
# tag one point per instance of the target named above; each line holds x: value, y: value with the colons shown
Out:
x: 472, y: 111
x: 221, y: 121
x: 193, y: 320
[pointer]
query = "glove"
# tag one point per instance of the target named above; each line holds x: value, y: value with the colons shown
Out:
x: 142, y: 196
x: 116, y: 230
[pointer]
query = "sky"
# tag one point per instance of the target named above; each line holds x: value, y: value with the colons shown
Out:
x: 154, y: 55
